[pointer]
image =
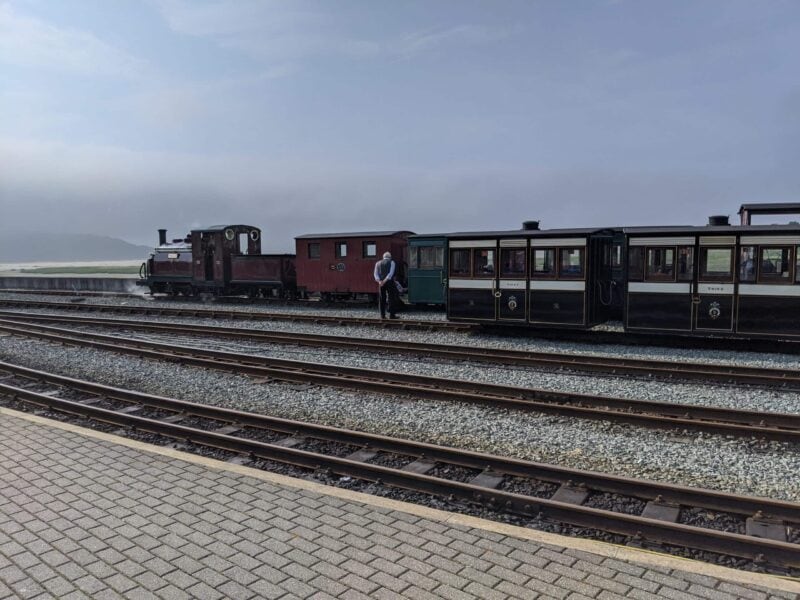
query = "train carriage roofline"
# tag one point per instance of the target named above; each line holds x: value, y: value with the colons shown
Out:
x: 326, y: 236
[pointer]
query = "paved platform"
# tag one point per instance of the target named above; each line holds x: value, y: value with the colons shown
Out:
x: 88, y: 515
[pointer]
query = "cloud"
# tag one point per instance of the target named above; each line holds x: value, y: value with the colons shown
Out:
x: 30, y: 42
x: 295, y: 30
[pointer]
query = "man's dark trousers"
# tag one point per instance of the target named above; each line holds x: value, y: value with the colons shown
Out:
x: 388, y: 297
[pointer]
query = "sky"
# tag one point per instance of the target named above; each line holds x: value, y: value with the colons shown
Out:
x: 299, y: 116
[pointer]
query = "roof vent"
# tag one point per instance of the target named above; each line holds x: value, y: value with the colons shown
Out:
x: 162, y: 237
x: 530, y: 225
x: 718, y: 220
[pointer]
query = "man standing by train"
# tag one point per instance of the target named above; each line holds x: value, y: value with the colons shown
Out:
x: 388, y: 296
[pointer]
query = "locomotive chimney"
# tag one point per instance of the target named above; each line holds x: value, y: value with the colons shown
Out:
x: 162, y: 237
x: 530, y: 225
x: 718, y: 220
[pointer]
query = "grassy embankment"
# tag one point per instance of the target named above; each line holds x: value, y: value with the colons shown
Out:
x: 97, y: 270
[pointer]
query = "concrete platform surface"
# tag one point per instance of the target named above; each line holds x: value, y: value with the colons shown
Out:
x: 89, y: 515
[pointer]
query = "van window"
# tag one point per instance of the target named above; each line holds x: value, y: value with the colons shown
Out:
x: 747, y: 264
x: 313, y: 250
x: 660, y: 264
x: 341, y: 249
x: 716, y: 263
x: 544, y: 263
x: 570, y: 264
x: 635, y: 263
x: 685, y: 263
x: 484, y: 263
x: 368, y: 249
x: 775, y: 265
x: 512, y: 262
x: 459, y: 262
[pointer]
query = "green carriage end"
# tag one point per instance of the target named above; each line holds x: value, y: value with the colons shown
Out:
x: 427, y: 269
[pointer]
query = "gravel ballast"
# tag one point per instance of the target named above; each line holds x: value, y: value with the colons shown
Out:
x: 733, y: 465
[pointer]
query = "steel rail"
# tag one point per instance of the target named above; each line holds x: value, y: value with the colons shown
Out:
x: 715, y: 372
x: 402, y: 324
x: 775, y: 552
x: 776, y: 426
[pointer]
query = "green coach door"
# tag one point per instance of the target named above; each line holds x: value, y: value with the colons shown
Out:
x: 426, y: 271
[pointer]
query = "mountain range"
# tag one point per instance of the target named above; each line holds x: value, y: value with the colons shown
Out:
x: 58, y: 247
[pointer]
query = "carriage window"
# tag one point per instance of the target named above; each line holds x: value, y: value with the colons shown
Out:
x: 635, y: 263
x: 243, y: 243
x: 341, y: 249
x: 716, y: 263
x: 685, y: 263
x: 431, y: 257
x: 797, y: 266
x: 570, y: 264
x: 369, y: 249
x: 660, y: 264
x: 484, y: 263
x: 775, y: 265
x: 616, y: 256
x: 747, y: 264
x: 313, y: 250
x: 544, y: 262
x: 459, y: 262
x: 512, y: 261
x: 413, y: 257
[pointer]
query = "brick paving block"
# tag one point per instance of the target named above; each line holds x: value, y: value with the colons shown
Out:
x: 58, y: 586
x: 151, y: 581
x: 328, y: 585
x: 479, y: 576
x: 625, y: 567
x: 266, y: 589
x: 89, y: 584
x: 580, y: 587
x: 508, y: 575
x: 450, y: 593
x: 202, y: 591
x: 413, y: 552
x: 741, y: 591
x: 666, y: 580
x: 235, y: 591
x: 707, y: 592
x: 524, y: 593
x: 120, y: 583
x: 673, y: 594
x: 419, y: 580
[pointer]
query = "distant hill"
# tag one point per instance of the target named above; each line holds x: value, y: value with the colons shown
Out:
x: 32, y: 246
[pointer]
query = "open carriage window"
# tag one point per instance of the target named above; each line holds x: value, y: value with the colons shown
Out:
x: 459, y: 262
x: 544, y: 263
x: 341, y: 249
x: 685, y: 264
x: 484, y: 263
x: 716, y: 264
x: 747, y: 264
x: 660, y: 264
x: 635, y: 263
x: 512, y: 262
x: 775, y: 265
x: 570, y: 263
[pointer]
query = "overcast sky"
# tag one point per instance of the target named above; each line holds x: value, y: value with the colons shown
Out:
x: 299, y: 116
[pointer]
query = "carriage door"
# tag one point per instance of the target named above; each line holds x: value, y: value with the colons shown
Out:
x: 472, y: 284
x: 714, y: 293
x: 512, y: 280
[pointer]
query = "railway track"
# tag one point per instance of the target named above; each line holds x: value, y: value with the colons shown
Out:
x: 672, y: 370
x: 213, y: 313
x: 765, y: 531
x: 767, y: 425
